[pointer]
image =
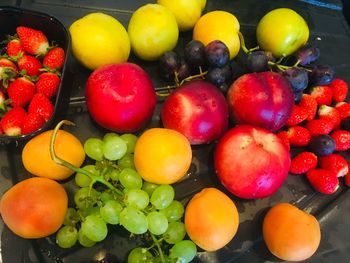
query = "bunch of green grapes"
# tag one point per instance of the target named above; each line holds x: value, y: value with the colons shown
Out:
x: 123, y: 198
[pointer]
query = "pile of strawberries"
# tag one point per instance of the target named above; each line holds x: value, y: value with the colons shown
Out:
x: 321, y: 112
x: 30, y: 72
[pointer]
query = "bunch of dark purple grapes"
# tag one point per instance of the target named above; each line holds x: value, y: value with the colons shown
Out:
x: 299, y: 68
x: 210, y: 62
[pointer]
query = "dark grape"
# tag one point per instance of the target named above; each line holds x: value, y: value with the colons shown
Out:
x: 298, y: 78
x: 307, y: 55
x: 184, y: 70
x: 169, y: 63
x: 345, y: 124
x: 194, y: 53
x: 217, y: 54
x: 298, y: 96
x: 322, y: 145
x: 321, y: 75
x: 220, y: 77
x: 257, y: 61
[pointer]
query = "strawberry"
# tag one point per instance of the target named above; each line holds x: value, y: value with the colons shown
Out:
x: 334, y: 163
x: 331, y: 114
x: 283, y: 135
x: 48, y: 84
x: 342, y: 140
x: 339, y: 89
x: 31, y: 65
x: 344, y: 109
x: 12, y: 121
x: 298, y: 136
x: 323, y: 181
x: 8, y: 70
x: 322, y: 94
x: 347, y: 177
x: 14, y: 48
x: 309, y: 103
x: 54, y: 59
x: 319, y: 127
x: 303, y: 162
x: 21, y: 91
x: 42, y: 105
x: 297, y: 116
x: 33, y: 41
x: 32, y: 122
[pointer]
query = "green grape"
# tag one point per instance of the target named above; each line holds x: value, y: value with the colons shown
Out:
x: 157, y: 223
x: 133, y: 220
x: 71, y: 218
x: 85, y: 197
x: 114, y: 148
x: 109, y: 135
x: 184, y: 251
x: 162, y: 196
x: 130, y: 179
x: 91, y: 210
x: 84, y: 240
x: 93, y: 148
x: 106, y: 196
x: 127, y: 161
x: 137, y: 198
x: 110, y: 212
x: 94, y: 228
x: 83, y: 180
x: 130, y: 140
x: 67, y: 236
x: 149, y: 187
x: 139, y: 255
x: 175, y: 232
x: 174, y: 211
x: 114, y: 175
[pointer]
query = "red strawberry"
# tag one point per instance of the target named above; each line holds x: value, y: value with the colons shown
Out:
x: 30, y: 64
x: 334, y: 163
x: 297, y: 116
x: 319, y: 126
x: 32, y: 122
x: 347, y: 177
x: 34, y: 41
x: 303, y: 162
x: 14, y: 48
x: 47, y: 84
x: 342, y: 140
x: 12, y: 121
x: 309, y: 103
x: 298, y: 136
x: 21, y: 91
x: 331, y: 114
x: 283, y: 135
x: 322, y: 94
x: 323, y: 181
x: 42, y: 105
x: 8, y: 70
x: 344, y: 109
x: 54, y: 59
x: 339, y: 89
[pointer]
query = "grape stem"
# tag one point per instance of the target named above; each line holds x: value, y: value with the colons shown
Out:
x: 284, y: 67
x: 156, y: 242
x: 243, y: 45
x: 72, y: 167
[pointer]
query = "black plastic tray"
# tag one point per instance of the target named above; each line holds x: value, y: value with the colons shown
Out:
x: 329, y: 31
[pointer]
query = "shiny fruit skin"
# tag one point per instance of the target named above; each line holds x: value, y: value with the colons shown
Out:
x: 120, y: 97
x: 152, y: 30
x: 290, y: 233
x: 99, y: 39
x: 282, y: 31
x: 37, y: 160
x: 210, y: 27
x: 34, y: 208
x: 162, y: 156
x: 211, y: 219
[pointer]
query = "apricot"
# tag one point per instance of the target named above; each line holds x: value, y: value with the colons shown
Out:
x: 290, y: 233
x: 211, y: 219
x: 34, y: 207
x: 37, y: 160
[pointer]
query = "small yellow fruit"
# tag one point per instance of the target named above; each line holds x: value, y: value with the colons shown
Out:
x: 99, y: 39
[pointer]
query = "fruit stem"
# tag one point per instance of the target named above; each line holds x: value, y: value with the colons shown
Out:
x: 72, y: 167
x: 201, y: 74
x: 244, y: 47
x: 285, y: 67
x: 156, y: 242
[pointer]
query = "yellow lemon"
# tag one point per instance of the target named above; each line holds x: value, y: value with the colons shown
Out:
x: 152, y: 31
x: 218, y: 25
x: 99, y: 39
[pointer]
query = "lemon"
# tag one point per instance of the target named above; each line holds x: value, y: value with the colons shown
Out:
x: 218, y: 25
x: 99, y: 39
x: 203, y: 3
x: 152, y: 31
x: 282, y: 31
x: 186, y: 12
